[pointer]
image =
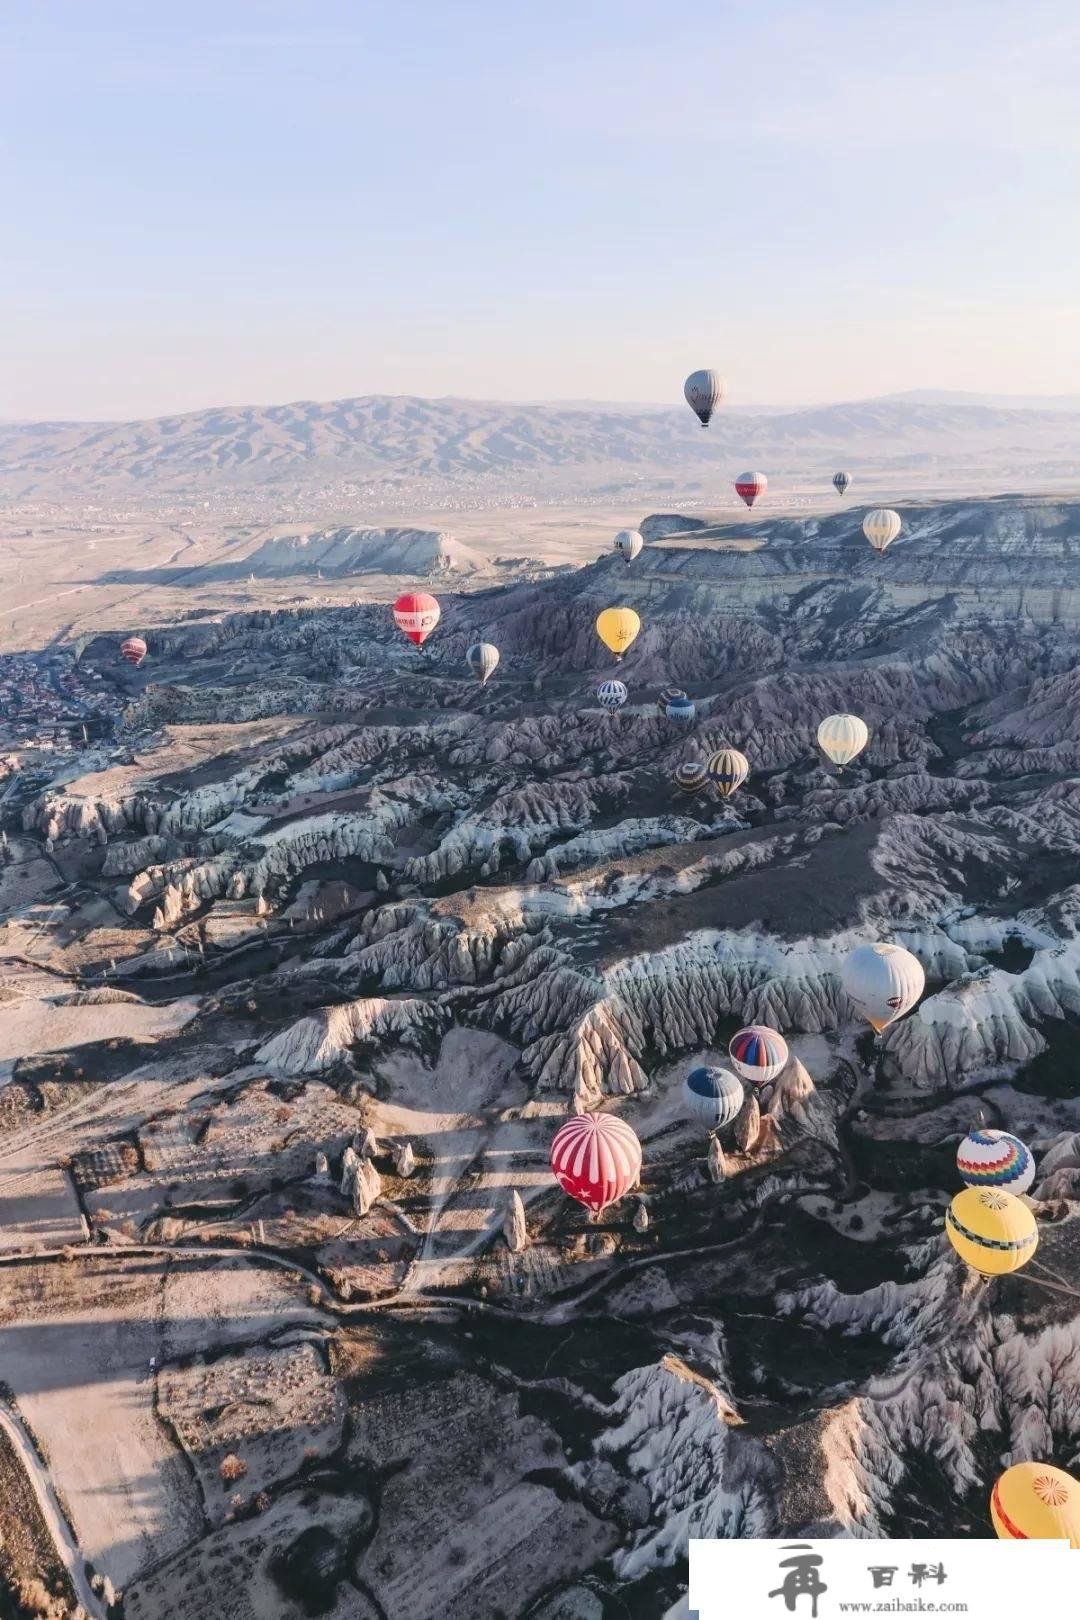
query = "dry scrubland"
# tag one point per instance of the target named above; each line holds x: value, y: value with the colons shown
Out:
x: 299, y: 981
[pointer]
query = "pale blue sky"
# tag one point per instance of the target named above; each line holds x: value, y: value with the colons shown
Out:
x: 250, y: 202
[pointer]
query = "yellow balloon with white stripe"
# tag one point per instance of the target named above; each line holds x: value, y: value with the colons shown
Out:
x: 1034, y: 1501
x: 992, y: 1231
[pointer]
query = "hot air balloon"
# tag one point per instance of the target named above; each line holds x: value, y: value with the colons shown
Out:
x: 628, y: 544
x: 703, y: 390
x: 715, y: 1096
x: 841, y: 737
x: 668, y: 695
x: 728, y: 770
x: 1034, y: 1501
x: 416, y: 614
x: 611, y: 694
x: 995, y: 1159
x: 881, y: 527
x: 883, y: 981
x: 617, y: 628
x: 681, y: 712
x: 841, y: 482
x: 748, y: 486
x: 483, y: 659
x: 758, y: 1053
x: 596, y: 1158
x: 133, y: 650
x: 691, y: 775
x: 992, y: 1231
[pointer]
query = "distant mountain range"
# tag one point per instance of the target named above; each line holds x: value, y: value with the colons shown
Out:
x: 379, y: 443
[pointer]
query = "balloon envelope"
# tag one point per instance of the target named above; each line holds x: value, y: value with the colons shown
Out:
x: 617, y: 628
x: 628, y: 543
x: 703, y: 391
x: 728, y: 770
x: 483, y: 659
x: 133, y: 650
x: 596, y: 1158
x: 681, y: 712
x: 842, y: 481
x: 416, y: 614
x: 715, y: 1096
x: 758, y: 1053
x: 691, y: 775
x: 881, y: 527
x: 992, y: 1231
x: 612, y: 694
x: 841, y: 737
x: 883, y: 982
x: 1034, y: 1501
x: 668, y: 695
x: 995, y: 1159
x: 750, y: 485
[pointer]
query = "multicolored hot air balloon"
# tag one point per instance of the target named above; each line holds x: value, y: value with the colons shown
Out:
x: 995, y: 1159
x: 992, y: 1231
x: 703, y: 391
x: 133, y: 650
x: 668, y: 695
x: 841, y: 737
x: 841, y: 482
x: 715, y: 1096
x: 758, y: 1053
x: 691, y: 775
x: 883, y: 982
x: 596, y: 1158
x: 749, y: 485
x: 617, y: 628
x: 416, y: 614
x: 881, y: 527
x: 681, y: 712
x: 628, y: 543
x: 728, y: 770
x: 483, y: 659
x: 1034, y: 1501
x: 611, y: 695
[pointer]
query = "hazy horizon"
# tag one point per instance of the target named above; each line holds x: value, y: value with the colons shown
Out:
x: 277, y: 202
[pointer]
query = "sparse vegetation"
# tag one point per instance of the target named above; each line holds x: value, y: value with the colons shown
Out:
x: 231, y: 1468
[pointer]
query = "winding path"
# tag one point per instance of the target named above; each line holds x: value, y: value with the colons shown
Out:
x: 57, y: 1526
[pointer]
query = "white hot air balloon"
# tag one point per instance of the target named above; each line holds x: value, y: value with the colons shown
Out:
x: 612, y: 695
x: 483, y: 659
x: 883, y: 982
x: 628, y: 543
x: 703, y: 390
x: 841, y: 737
x: 881, y: 527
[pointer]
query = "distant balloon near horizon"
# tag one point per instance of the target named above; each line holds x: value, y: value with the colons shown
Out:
x: 133, y: 650
x: 842, y: 737
x: 483, y: 659
x: 883, y: 982
x: 881, y: 527
x: 842, y: 482
x: 611, y: 695
x: 714, y: 1096
x: 617, y: 629
x: 750, y: 486
x: 704, y: 391
x: 728, y: 770
x: 416, y: 614
x: 629, y: 544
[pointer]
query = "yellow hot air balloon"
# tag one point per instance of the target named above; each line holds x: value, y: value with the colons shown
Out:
x: 617, y: 628
x: 1034, y: 1501
x: 991, y: 1230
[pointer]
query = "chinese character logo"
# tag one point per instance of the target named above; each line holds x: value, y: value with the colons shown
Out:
x: 802, y: 1579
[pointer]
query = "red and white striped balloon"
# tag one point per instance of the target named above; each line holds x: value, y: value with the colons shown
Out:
x: 133, y: 650
x: 750, y: 485
x: 596, y: 1158
x: 416, y: 614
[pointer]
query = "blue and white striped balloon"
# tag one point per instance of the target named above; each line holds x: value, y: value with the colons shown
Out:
x: 611, y: 694
x: 681, y: 712
x: 715, y: 1096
